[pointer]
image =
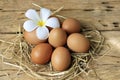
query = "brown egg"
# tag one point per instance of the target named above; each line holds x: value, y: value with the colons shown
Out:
x: 41, y: 54
x: 31, y: 37
x: 57, y: 37
x: 71, y: 25
x: 61, y: 59
x: 78, y: 43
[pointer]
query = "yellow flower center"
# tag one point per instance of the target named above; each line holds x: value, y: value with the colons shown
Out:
x: 41, y: 23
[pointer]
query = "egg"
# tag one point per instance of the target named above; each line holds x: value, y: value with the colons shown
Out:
x: 31, y: 37
x: 71, y: 25
x: 57, y: 37
x: 61, y: 59
x: 41, y: 53
x: 78, y: 43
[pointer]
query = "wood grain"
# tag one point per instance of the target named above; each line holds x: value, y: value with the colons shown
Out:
x: 108, y: 21
x: 71, y: 4
x: 104, y: 14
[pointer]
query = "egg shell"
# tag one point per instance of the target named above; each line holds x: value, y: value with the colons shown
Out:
x: 57, y: 37
x: 71, y: 25
x: 31, y: 37
x: 78, y: 43
x: 61, y: 59
x: 41, y: 54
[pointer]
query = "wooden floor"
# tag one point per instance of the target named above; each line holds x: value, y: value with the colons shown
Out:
x: 106, y: 13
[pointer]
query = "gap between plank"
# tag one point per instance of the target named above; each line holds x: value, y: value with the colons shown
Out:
x: 87, y: 30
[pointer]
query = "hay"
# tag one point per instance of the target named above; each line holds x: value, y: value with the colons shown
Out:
x: 20, y: 57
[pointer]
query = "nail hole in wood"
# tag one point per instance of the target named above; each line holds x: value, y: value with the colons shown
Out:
x: 105, y: 25
x: 108, y: 10
x: 19, y: 32
x: 118, y: 61
x: 99, y: 20
x: 104, y: 2
x: 116, y: 24
x: 88, y: 10
x: 110, y: 6
x: 22, y: 13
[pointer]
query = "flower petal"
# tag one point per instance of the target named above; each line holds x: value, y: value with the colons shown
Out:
x: 45, y: 13
x: 53, y: 22
x: 29, y: 25
x: 32, y: 14
x: 42, y: 33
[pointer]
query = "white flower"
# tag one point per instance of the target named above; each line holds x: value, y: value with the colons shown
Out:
x: 39, y: 22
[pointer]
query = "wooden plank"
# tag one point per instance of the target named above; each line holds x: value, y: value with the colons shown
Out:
x: 71, y: 4
x: 107, y: 13
x: 10, y: 21
x: 107, y: 67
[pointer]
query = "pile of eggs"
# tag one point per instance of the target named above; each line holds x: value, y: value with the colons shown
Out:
x: 59, y: 45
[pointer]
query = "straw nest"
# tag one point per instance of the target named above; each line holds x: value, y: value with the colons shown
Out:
x: 17, y: 54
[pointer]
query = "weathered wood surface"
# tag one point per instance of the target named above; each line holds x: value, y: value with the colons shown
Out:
x: 104, y: 12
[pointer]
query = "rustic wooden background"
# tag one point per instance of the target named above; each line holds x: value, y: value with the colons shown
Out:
x: 105, y: 12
